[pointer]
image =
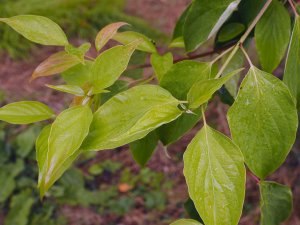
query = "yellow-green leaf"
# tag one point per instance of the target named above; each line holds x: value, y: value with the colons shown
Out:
x: 71, y: 89
x: 186, y: 222
x: 161, y: 64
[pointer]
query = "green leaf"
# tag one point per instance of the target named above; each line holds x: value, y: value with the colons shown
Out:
x: 130, y: 116
x: 161, y: 64
x: 8, y: 185
x: 263, y: 121
x: 37, y: 29
x: 110, y: 64
x: 106, y: 33
x: 272, y: 34
x: 191, y: 210
x: 248, y: 10
x: 177, y: 43
x: 230, y: 31
x: 276, y: 203
x: 72, y: 89
x: 178, y: 31
x: 116, y: 88
x: 143, y: 149
x: 25, y: 142
x: 292, y: 68
x: 79, y: 52
x: 145, y: 45
x: 203, y: 90
x: 209, y: 16
x: 19, y: 208
x: 66, y: 135
x: 25, y: 112
x: 56, y: 63
x: 186, y: 222
x: 215, y: 174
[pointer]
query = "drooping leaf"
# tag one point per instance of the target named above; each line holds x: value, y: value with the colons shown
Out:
x: 110, y: 64
x: 178, y: 30
x: 161, y: 64
x: 272, y: 34
x: 106, y: 33
x: 275, y: 203
x: 143, y: 149
x: 37, y: 29
x: 210, y: 16
x: 186, y: 222
x: 56, y: 63
x: 25, y: 112
x: 230, y: 31
x: 130, y: 116
x: 66, y: 135
x: 79, y: 52
x: 215, y: 174
x: 263, y: 121
x: 72, y: 89
x: 292, y: 68
x: 203, y: 90
x: 145, y: 44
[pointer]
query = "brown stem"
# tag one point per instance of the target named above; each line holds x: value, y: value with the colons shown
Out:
x: 293, y: 7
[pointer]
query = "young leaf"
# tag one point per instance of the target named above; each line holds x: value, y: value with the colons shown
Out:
x: 215, y: 174
x: 145, y: 45
x: 161, y: 64
x: 37, y: 29
x: 72, y: 89
x: 79, y: 52
x: 56, y: 63
x: 263, y: 121
x: 272, y: 34
x: 210, y: 16
x: 203, y: 90
x: 25, y: 112
x: 78, y: 75
x: 292, y: 67
x: 110, y: 64
x: 142, y: 149
x: 106, y: 33
x: 130, y: 116
x: 276, y: 203
x: 66, y: 135
x: 186, y: 222
x: 177, y: 43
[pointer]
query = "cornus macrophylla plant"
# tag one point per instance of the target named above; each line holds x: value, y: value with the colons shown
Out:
x: 105, y: 113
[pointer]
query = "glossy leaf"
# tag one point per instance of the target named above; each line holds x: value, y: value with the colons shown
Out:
x: 56, y: 63
x: 263, y: 121
x: 143, y: 149
x: 106, y: 33
x: 178, y: 31
x: 230, y: 31
x: 161, y: 64
x: 66, y: 135
x: 292, y: 67
x: 37, y: 29
x: 203, y: 90
x: 71, y: 89
x: 25, y: 112
x: 276, y: 203
x: 127, y: 37
x: 110, y: 64
x: 79, y: 52
x: 186, y: 222
x: 78, y: 75
x: 130, y: 116
x: 207, y: 15
x: 272, y: 34
x: 215, y: 174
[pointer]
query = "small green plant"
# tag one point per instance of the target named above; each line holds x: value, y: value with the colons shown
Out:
x: 263, y: 118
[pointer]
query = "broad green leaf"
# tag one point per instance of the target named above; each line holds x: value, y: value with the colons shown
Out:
x: 178, y: 31
x: 25, y: 142
x: 79, y: 52
x: 19, y: 208
x: 272, y: 34
x: 8, y: 185
x: 230, y: 31
x: 72, y: 89
x: 37, y: 29
x: 203, y: 90
x: 25, y: 112
x: 161, y: 64
x: 110, y: 64
x: 248, y: 9
x: 116, y: 88
x: 263, y: 121
x: 143, y: 149
x: 215, y: 174
x: 106, y: 33
x: 145, y: 45
x: 178, y: 81
x: 186, y: 222
x: 66, y: 135
x: 276, y: 203
x: 56, y: 63
x: 292, y: 68
x: 130, y: 116
x: 137, y: 58
x: 207, y: 15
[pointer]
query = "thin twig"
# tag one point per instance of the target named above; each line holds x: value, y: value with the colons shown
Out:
x: 246, y: 55
x: 293, y: 8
